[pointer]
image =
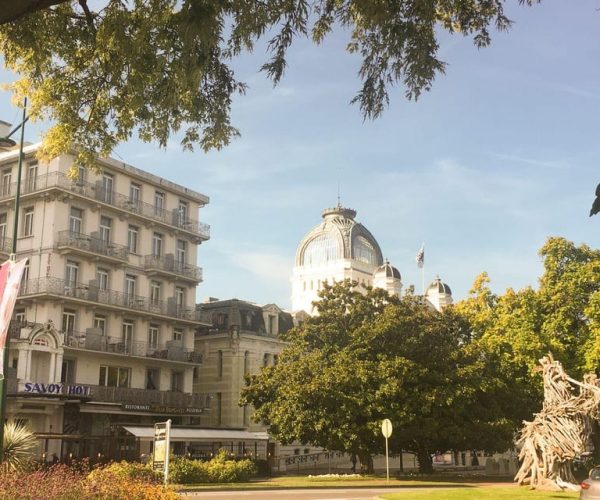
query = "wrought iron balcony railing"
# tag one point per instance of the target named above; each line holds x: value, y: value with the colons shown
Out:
x: 91, y: 244
x: 98, y: 192
x: 168, y: 264
x: 91, y: 340
x: 5, y: 245
x: 91, y: 292
x: 148, y: 396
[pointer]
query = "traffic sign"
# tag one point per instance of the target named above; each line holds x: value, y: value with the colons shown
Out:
x: 386, y: 428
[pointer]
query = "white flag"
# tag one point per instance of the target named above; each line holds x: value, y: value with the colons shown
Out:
x: 421, y: 256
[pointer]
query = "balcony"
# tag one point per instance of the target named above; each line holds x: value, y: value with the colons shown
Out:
x: 91, y: 245
x: 94, y: 341
x: 96, y: 191
x: 6, y: 245
x: 167, y: 265
x: 121, y: 301
x: 148, y: 397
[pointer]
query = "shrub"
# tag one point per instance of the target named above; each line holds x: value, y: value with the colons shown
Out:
x: 220, y: 469
x: 114, y: 482
x: 185, y: 471
x: 19, y: 444
x: 127, y: 470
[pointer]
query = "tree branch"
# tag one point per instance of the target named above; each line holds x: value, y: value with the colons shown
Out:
x: 11, y: 11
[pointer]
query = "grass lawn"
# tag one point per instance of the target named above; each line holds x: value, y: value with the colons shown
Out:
x: 481, y: 493
x: 329, y: 482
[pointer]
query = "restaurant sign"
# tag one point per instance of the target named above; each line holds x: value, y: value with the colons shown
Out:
x: 172, y: 410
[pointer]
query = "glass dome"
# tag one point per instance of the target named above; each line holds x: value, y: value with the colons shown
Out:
x: 363, y: 251
x: 321, y: 250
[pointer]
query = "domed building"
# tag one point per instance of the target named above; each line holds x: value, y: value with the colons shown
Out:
x: 339, y: 248
x: 438, y: 294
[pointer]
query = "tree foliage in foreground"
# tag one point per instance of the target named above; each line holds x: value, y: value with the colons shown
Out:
x: 370, y: 357
x: 103, y: 72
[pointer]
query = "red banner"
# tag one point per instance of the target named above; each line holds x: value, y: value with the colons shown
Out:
x: 10, y: 279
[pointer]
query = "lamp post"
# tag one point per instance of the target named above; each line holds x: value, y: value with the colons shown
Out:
x: 8, y: 142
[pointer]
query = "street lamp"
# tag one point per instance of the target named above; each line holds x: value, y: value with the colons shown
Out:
x: 8, y: 142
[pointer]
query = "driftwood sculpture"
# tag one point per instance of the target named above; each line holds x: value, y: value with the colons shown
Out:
x: 560, y: 432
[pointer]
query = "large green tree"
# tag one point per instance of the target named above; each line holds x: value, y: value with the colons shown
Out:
x: 371, y: 356
x: 104, y: 71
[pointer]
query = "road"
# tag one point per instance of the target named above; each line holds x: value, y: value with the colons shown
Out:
x: 304, y: 494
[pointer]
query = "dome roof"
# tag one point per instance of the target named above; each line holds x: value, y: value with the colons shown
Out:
x: 387, y: 271
x: 437, y: 285
x: 338, y: 237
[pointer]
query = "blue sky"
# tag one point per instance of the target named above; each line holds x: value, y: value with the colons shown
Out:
x: 502, y: 153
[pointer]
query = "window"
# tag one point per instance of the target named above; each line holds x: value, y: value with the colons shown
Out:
x: 181, y: 253
x: 177, y: 381
x: 219, y: 408
x: 19, y: 316
x: 72, y: 273
x: 272, y: 324
x: 130, y: 286
x: 153, y: 337
x: 266, y: 358
x: 157, y: 245
x: 68, y: 322
x: 155, y: 289
x: 246, y: 362
x: 107, y: 187
x: 32, y: 173
x: 180, y: 297
x: 76, y: 220
x: 100, y: 323
x: 80, y: 175
x: 220, y: 364
x: 275, y: 359
x: 159, y: 203
x: 113, y: 376
x: 178, y: 334
x: 3, y: 224
x: 127, y: 335
x: 105, y: 227
x: 132, y: 239
x: 27, y: 221
x: 183, y: 212
x: 135, y: 195
x: 102, y: 278
x: 6, y: 182
x: 67, y: 374
x: 152, y: 379
x: 25, y: 276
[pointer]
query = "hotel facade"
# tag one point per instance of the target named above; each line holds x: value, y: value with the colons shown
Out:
x: 103, y: 330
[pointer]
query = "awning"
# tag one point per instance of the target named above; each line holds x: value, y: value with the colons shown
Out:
x: 194, y: 434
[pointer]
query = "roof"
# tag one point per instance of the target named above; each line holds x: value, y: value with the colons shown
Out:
x: 387, y: 271
x: 338, y: 237
x: 437, y: 285
x: 193, y: 434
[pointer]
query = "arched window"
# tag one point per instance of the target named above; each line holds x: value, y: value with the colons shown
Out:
x: 41, y: 341
x: 363, y: 251
x: 320, y: 250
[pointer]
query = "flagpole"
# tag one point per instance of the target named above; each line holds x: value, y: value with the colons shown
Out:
x: 3, y: 379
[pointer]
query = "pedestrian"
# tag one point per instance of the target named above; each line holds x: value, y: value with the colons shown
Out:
x: 353, y: 460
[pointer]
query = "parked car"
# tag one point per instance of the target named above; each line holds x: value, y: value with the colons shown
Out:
x: 590, y: 488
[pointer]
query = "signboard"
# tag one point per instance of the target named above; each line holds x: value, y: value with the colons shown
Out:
x: 171, y: 410
x: 162, y: 442
x: 386, y: 428
x: 61, y: 389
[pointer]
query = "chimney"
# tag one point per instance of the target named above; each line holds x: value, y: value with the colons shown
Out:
x: 5, y: 128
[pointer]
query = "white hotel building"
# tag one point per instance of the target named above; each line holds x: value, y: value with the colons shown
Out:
x: 104, y: 324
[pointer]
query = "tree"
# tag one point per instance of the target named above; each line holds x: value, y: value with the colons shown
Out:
x: 153, y: 67
x: 371, y: 356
